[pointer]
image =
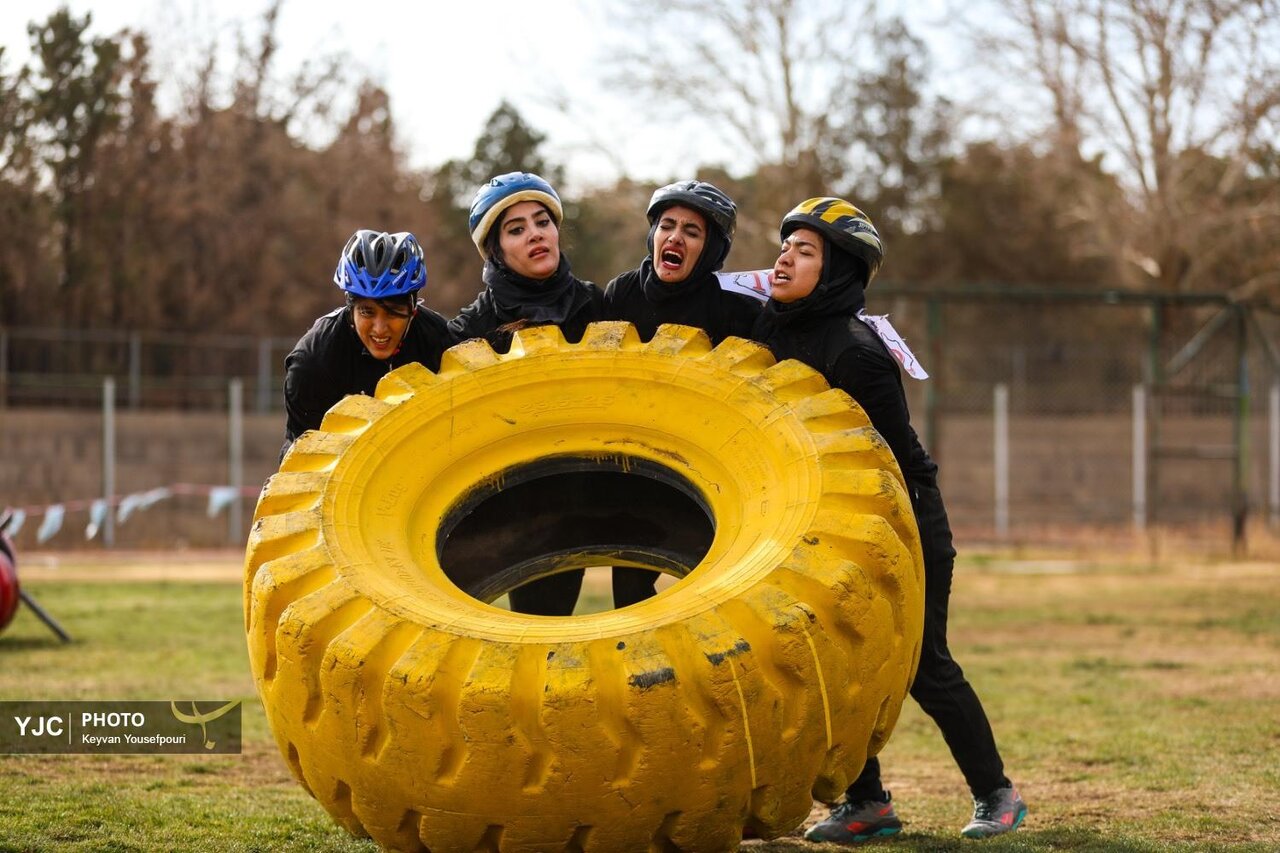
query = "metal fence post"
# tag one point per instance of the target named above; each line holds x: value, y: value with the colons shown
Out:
x: 1140, y: 457
x: 1240, y: 439
x: 1154, y: 380
x: 933, y: 388
x: 264, y: 375
x: 135, y: 369
x: 1275, y: 455
x: 235, y: 458
x: 4, y: 368
x: 109, y: 458
x: 1001, y: 430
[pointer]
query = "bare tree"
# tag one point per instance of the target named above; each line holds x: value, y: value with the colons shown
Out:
x: 808, y: 97
x: 1181, y: 98
x: 772, y: 79
x: 777, y: 73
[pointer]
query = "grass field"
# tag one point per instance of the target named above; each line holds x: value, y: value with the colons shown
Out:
x: 1137, y: 707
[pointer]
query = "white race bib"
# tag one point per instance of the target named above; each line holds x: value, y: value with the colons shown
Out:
x: 756, y: 283
x: 895, y: 343
x: 753, y: 283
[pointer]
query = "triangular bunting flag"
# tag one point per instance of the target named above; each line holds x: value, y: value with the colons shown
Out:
x: 52, y: 523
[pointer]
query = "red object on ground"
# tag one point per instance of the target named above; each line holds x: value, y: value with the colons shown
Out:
x: 9, y: 598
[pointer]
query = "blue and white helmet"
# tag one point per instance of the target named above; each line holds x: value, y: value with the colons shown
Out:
x: 378, y: 265
x: 502, y: 192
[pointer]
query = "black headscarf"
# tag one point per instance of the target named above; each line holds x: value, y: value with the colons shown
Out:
x: 714, y: 250
x: 841, y: 291
x: 539, y: 300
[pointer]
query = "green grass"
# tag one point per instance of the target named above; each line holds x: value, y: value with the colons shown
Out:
x: 148, y: 641
x: 1135, y: 708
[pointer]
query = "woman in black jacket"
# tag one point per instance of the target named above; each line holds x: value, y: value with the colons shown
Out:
x: 691, y: 225
x: 830, y: 253
x: 382, y: 326
x: 515, y: 224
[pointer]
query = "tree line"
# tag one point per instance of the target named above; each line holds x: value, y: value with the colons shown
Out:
x: 1156, y: 166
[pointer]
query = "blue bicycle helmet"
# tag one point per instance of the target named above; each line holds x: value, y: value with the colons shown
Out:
x: 378, y: 265
x: 502, y: 192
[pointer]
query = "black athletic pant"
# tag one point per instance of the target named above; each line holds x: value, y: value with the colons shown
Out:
x: 557, y: 595
x: 554, y: 595
x: 632, y: 586
x: 940, y: 686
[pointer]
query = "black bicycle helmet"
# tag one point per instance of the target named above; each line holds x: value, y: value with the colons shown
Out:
x: 707, y: 199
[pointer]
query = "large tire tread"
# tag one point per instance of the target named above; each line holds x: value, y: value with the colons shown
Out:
x: 706, y: 715
x: 528, y: 679
x: 407, y: 836
x: 308, y: 627
x: 448, y: 692
x: 740, y: 357
x: 611, y: 714
x: 356, y: 673
x: 791, y: 381
x: 316, y: 450
x: 354, y: 414
x: 278, y: 583
x: 340, y: 805
x: 283, y: 536
x: 678, y: 341
x: 293, y: 491
x: 294, y: 759
x: 758, y: 631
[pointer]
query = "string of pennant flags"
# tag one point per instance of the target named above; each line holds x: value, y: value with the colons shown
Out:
x: 53, y: 516
x: 754, y: 283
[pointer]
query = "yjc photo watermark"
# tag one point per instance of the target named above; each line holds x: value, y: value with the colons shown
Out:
x: 185, y: 726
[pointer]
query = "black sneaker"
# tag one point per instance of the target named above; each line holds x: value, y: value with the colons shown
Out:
x: 999, y: 812
x: 856, y: 823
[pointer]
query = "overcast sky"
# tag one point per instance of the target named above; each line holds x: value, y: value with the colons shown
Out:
x: 447, y: 65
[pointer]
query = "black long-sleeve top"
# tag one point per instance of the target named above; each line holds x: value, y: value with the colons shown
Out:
x: 704, y: 305
x: 853, y: 358
x: 480, y: 319
x: 329, y: 362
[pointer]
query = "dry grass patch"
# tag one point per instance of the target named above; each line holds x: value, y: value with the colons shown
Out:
x: 1134, y: 706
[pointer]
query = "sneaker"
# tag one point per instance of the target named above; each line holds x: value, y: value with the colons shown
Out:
x: 856, y: 822
x: 999, y: 812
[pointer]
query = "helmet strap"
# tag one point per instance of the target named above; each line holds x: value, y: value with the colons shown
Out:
x: 413, y: 312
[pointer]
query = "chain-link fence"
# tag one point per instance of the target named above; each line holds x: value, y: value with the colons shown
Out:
x: 1054, y: 408
x: 1048, y: 411
x: 153, y: 370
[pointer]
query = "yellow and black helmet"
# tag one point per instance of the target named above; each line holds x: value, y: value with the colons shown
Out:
x: 843, y: 224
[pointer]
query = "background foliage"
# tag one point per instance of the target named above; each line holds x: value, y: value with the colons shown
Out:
x: 1154, y: 165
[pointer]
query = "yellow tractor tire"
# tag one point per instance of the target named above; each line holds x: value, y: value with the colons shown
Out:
x: 422, y: 716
